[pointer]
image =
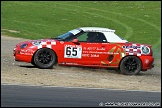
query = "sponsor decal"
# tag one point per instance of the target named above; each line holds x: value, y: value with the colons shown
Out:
x: 27, y: 52
x: 94, y: 48
x: 145, y: 50
x: 117, y: 52
x: 94, y: 55
x: 146, y: 61
x: 133, y: 49
x: 74, y: 32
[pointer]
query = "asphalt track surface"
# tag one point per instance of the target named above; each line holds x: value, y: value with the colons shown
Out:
x: 46, y: 96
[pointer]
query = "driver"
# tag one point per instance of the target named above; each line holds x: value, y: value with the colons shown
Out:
x: 91, y: 37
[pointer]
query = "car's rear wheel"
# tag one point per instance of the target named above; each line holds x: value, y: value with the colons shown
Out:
x: 130, y: 65
x: 44, y: 58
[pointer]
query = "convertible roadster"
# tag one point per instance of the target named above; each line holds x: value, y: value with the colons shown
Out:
x: 87, y: 46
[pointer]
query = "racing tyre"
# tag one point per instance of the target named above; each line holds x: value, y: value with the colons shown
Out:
x: 130, y: 65
x: 44, y: 58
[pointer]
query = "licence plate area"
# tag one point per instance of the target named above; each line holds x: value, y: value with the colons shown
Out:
x: 15, y: 51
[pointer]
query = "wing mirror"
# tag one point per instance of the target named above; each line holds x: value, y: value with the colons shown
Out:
x: 75, y: 40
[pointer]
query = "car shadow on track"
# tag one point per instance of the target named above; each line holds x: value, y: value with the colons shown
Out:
x: 31, y: 66
x: 28, y: 66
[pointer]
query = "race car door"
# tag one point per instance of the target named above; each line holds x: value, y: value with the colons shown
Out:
x: 86, y: 50
x: 95, y: 49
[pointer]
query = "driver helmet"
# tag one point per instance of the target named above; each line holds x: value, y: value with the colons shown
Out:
x: 91, y: 36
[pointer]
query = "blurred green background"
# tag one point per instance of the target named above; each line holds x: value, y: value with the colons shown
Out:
x: 136, y: 21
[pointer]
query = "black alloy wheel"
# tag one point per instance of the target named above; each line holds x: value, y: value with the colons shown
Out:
x: 44, y: 58
x: 130, y: 65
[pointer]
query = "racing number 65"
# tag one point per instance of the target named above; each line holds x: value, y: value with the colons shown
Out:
x: 71, y: 50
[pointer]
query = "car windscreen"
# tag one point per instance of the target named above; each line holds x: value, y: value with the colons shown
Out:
x: 67, y: 36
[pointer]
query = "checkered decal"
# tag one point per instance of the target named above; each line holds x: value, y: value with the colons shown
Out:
x: 133, y: 49
x: 47, y: 44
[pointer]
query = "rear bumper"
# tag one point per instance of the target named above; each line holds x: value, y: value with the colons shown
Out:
x: 152, y: 65
x: 147, y: 62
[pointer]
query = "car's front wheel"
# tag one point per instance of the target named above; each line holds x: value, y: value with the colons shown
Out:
x: 130, y: 65
x: 44, y: 58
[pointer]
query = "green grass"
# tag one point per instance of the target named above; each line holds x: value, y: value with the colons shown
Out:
x: 136, y: 21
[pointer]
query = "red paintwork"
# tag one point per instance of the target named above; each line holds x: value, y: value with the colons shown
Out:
x: 92, y: 54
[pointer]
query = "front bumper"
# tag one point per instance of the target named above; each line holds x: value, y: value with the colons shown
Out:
x: 19, y: 55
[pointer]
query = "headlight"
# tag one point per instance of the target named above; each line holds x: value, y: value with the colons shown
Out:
x: 23, y: 46
x: 145, y: 50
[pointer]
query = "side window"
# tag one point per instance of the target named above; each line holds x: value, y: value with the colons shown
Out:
x: 82, y: 37
x: 92, y: 37
x: 101, y: 38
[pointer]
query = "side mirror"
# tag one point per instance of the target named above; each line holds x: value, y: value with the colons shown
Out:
x: 75, y: 40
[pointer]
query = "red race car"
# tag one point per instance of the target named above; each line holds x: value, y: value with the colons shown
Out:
x: 87, y: 46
